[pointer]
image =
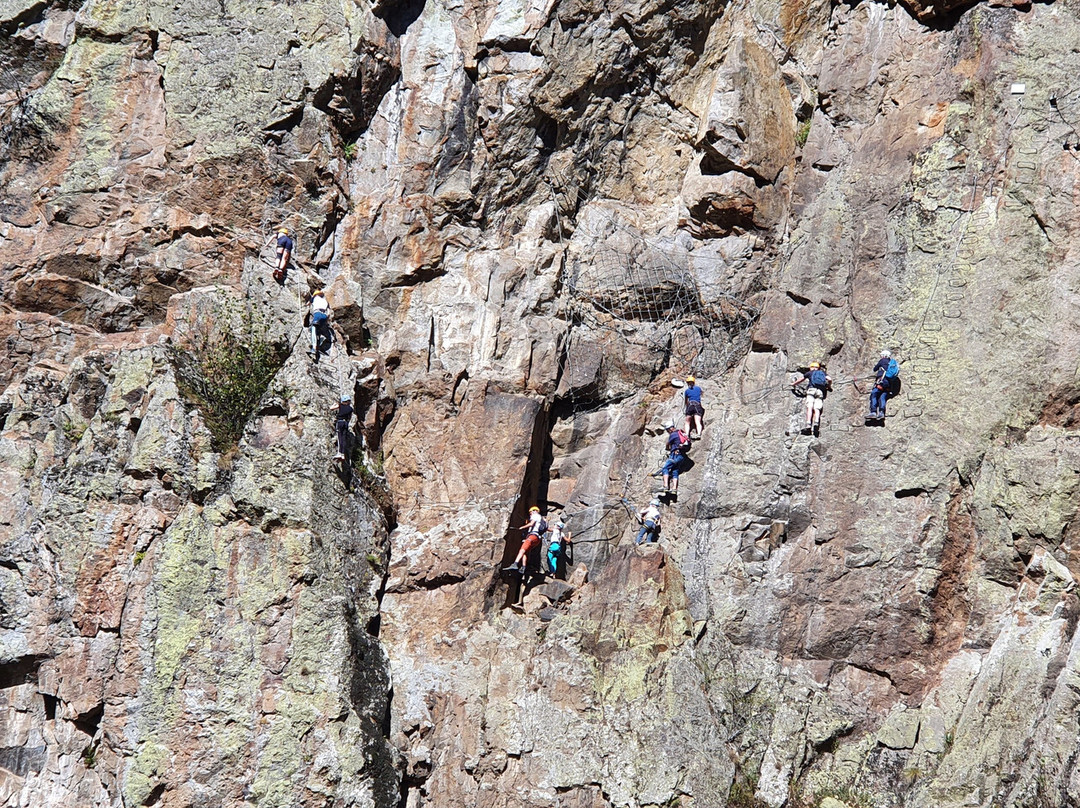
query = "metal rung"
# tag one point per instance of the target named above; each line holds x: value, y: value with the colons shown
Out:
x: 965, y: 253
x: 931, y: 327
x: 912, y: 412
x: 1027, y: 166
x: 954, y: 296
x: 1028, y: 150
x: 926, y: 355
x: 915, y: 396
x: 957, y: 283
x: 918, y: 381
x: 930, y: 341
x: 954, y: 314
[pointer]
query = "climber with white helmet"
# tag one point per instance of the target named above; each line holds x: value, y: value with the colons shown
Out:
x: 693, y: 409
x: 886, y: 372
x: 819, y: 385
x: 649, y: 516
x: 535, y: 527
x: 560, y: 549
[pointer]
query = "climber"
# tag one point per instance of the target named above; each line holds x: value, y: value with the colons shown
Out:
x: 677, y: 445
x: 536, y: 527
x: 649, y: 517
x: 322, y: 337
x: 695, y: 413
x: 885, y: 371
x: 818, y: 387
x: 285, y: 246
x: 560, y: 549
x: 344, y: 415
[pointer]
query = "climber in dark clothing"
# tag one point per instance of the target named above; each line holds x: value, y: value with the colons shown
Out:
x: 284, y: 247
x: 344, y: 415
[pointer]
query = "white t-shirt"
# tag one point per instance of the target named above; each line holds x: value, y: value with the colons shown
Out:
x: 535, y: 520
x: 651, y: 514
x: 318, y: 303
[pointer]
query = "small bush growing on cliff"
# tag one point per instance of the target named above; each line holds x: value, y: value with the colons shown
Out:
x: 803, y: 133
x: 225, y: 368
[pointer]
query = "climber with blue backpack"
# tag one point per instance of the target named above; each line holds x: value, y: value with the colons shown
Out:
x: 886, y: 376
x: 819, y: 384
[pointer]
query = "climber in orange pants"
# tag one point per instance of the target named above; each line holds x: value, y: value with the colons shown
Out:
x: 536, y: 527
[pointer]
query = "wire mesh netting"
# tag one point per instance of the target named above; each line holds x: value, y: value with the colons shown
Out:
x: 636, y: 308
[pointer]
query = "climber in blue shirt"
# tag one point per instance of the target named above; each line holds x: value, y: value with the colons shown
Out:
x: 695, y: 412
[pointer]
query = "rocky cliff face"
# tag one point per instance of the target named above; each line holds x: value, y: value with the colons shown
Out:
x: 530, y: 216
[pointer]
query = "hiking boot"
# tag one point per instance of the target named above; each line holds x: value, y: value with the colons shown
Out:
x: 339, y: 457
x: 512, y: 568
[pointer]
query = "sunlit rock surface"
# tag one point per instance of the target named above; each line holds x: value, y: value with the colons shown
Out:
x: 529, y: 217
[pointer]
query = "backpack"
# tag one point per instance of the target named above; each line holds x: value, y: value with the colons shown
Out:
x: 818, y: 378
x: 893, y: 370
x: 894, y: 386
x: 684, y: 441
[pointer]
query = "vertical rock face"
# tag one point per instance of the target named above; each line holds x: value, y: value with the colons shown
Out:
x: 529, y: 217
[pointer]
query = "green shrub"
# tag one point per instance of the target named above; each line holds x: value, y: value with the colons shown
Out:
x: 225, y: 369
x: 802, y: 133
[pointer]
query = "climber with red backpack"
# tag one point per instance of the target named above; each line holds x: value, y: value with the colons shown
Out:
x: 886, y: 377
x: 536, y: 526
x: 678, y: 444
x: 819, y: 384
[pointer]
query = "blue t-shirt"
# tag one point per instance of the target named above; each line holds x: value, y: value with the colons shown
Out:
x: 285, y: 243
x: 693, y: 394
